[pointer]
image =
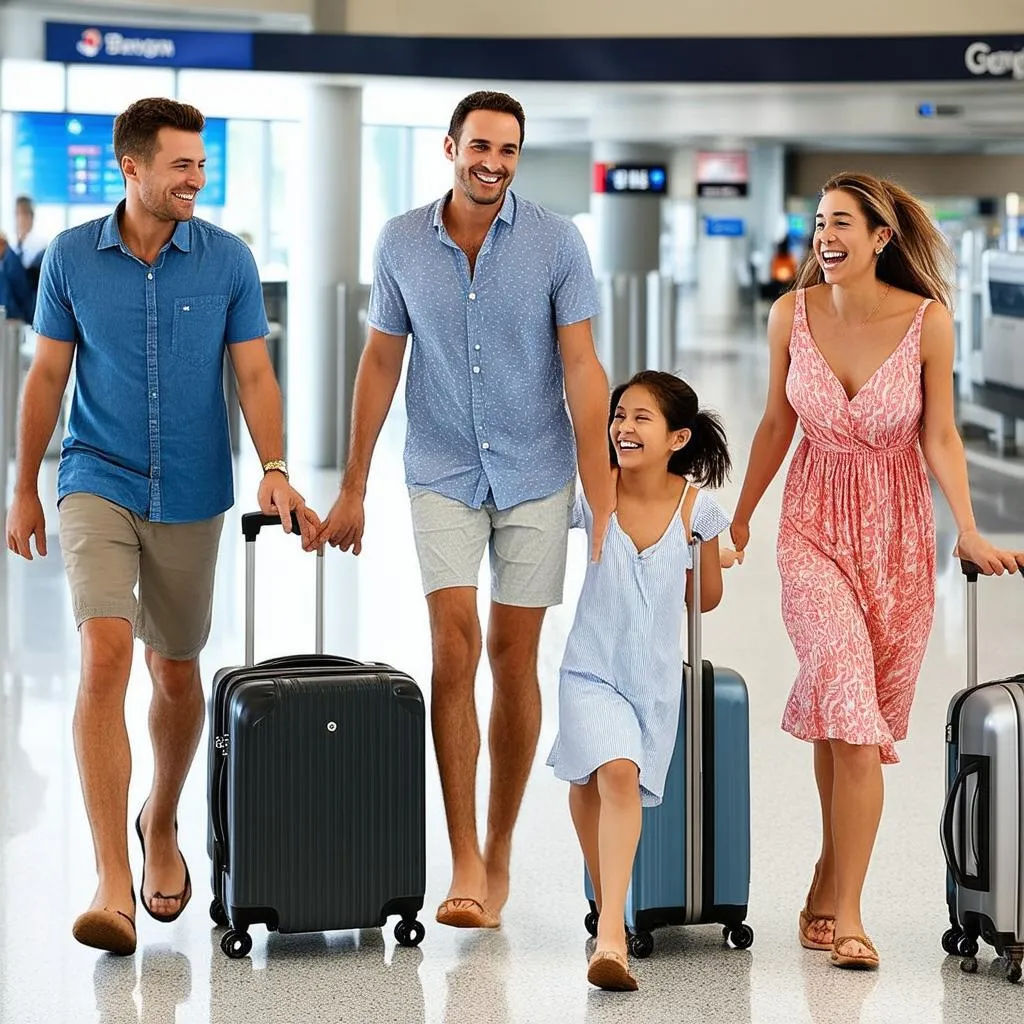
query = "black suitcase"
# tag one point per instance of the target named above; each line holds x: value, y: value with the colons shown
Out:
x: 317, y: 789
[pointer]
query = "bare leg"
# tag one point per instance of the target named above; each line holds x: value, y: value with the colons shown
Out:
x: 176, y: 714
x: 513, y: 636
x: 856, y: 812
x: 104, y: 754
x: 585, y: 808
x: 456, y: 641
x: 618, y: 835
x: 822, y: 897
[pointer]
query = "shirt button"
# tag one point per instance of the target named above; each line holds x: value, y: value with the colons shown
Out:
x: 472, y: 295
x: 149, y: 277
x: 485, y: 446
x: 476, y: 369
x: 476, y: 348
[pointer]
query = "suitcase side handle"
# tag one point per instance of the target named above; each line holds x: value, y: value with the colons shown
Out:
x: 979, y: 882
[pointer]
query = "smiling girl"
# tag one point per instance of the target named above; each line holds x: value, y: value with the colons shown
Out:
x: 862, y: 357
x: 622, y: 673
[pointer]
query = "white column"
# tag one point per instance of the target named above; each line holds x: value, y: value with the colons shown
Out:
x: 324, y: 255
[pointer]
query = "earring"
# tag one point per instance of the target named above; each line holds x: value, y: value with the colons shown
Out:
x: 878, y: 252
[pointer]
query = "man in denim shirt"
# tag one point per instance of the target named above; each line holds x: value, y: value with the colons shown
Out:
x: 498, y: 295
x: 146, y: 301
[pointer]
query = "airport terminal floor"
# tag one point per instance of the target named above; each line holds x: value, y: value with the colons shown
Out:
x: 533, y: 968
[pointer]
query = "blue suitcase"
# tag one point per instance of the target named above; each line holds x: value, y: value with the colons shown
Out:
x: 693, y: 862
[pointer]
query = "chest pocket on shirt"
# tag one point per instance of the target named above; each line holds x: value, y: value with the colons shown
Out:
x: 197, y: 333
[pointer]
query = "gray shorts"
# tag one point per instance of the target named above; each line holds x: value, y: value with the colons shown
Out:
x: 527, y: 544
x: 109, y: 550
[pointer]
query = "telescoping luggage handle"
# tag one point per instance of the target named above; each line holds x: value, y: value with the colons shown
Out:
x: 252, y: 523
x: 972, y: 572
x: 693, y: 697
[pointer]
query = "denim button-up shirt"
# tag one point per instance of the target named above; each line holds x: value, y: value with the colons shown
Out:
x: 148, y: 428
x: 485, y: 392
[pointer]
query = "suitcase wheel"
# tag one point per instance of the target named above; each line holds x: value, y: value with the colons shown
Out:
x: 409, y: 933
x: 641, y: 945
x: 969, y: 965
x: 951, y: 941
x: 741, y: 937
x: 590, y: 923
x: 218, y: 914
x: 236, y: 945
x: 967, y: 947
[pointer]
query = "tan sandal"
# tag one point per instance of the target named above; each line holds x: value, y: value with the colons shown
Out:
x: 865, y: 961
x: 808, y: 919
x: 610, y: 971
x: 466, y: 913
x: 113, y: 931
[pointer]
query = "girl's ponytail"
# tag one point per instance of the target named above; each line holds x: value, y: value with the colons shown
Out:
x: 705, y: 458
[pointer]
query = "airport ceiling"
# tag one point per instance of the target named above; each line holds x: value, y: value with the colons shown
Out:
x: 941, y: 118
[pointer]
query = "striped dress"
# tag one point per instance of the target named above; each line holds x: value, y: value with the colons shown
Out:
x: 621, y: 677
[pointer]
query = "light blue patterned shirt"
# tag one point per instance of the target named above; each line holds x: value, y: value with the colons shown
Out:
x: 485, y: 392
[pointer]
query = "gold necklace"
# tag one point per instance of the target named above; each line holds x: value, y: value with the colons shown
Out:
x: 888, y: 288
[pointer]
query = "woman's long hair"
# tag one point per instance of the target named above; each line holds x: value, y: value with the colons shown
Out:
x: 917, y: 259
x: 705, y: 457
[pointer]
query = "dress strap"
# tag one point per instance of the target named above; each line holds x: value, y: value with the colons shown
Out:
x: 800, y: 328
x: 918, y: 324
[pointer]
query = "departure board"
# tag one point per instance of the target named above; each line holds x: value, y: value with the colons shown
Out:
x: 69, y: 158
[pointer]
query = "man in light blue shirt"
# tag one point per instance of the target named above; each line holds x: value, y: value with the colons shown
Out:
x: 497, y: 294
x: 146, y: 302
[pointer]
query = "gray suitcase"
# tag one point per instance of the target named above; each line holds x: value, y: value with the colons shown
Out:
x: 316, y: 789
x: 983, y: 817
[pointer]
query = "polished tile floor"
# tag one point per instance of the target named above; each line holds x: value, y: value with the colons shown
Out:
x: 533, y: 969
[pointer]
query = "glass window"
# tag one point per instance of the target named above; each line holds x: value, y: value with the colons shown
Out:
x: 31, y: 85
x: 244, y: 94
x: 385, y: 187
x: 243, y: 208
x: 284, y: 186
x: 93, y: 89
x: 431, y: 169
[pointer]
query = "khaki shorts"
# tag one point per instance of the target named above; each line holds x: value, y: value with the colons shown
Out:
x: 109, y: 550
x: 527, y: 543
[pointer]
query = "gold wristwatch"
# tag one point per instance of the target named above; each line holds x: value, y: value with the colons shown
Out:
x: 276, y: 466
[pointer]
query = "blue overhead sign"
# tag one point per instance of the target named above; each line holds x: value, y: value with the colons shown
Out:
x: 149, y: 47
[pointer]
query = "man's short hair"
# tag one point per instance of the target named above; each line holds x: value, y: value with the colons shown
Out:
x: 499, y: 102
x: 136, y: 129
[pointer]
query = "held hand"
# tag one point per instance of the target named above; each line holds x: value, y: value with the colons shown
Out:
x: 24, y: 521
x: 729, y: 558
x: 602, y: 509
x: 988, y: 558
x: 278, y: 497
x: 343, y: 527
x: 740, y: 533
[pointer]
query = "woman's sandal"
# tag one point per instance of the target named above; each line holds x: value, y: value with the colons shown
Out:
x: 865, y: 961
x: 808, y: 921
x: 610, y: 971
